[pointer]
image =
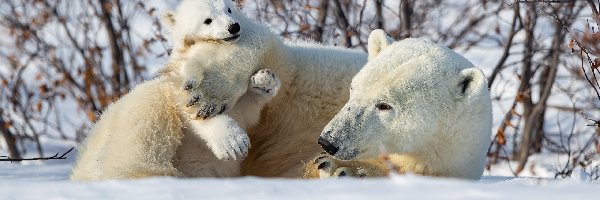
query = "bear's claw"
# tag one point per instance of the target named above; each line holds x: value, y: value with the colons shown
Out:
x: 190, y: 84
x: 206, y: 111
x: 193, y: 101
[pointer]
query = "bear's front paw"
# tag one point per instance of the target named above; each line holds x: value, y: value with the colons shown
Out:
x: 328, y: 166
x: 207, y: 107
x: 265, y: 82
x: 233, y: 146
x: 225, y: 138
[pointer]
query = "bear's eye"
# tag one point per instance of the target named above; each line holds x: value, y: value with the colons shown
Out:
x: 208, y: 21
x: 383, y: 106
x: 229, y: 10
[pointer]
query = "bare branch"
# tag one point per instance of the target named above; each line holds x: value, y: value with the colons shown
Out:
x: 54, y: 157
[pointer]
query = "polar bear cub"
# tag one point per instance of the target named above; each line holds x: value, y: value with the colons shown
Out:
x: 425, y: 105
x: 155, y: 130
x: 147, y: 133
x: 216, y: 48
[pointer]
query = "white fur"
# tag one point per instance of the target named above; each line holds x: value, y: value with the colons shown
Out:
x: 202, y: 57
x: 148, y: 133
x: 378, y: 41
x: 314, y: 81
x: 195, y: 13
x: 314, y: 84
x: 225, y: 138
x: 431, y: 118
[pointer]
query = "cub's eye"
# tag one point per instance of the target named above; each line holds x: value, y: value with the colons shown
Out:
x: 208, y: 21
x: 383, y: 106
x: 229, y: 10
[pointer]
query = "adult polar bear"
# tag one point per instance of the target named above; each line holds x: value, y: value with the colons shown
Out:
x: 314, y: 81
x: 424, y: 104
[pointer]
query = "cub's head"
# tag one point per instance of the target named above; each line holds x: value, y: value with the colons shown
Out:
x: 212, y: 21
x: 408, y: 94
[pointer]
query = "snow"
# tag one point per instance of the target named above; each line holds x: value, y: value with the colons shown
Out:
x: 49, y: 180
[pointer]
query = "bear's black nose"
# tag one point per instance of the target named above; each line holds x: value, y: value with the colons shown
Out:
x: 235, y: 28
x: 327, y: 146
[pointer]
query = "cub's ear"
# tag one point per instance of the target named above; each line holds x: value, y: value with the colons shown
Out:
x: 168, y: 19
x: 470, y: 82
x: 378, y: 40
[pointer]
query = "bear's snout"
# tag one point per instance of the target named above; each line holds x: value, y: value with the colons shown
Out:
x: 327, y: 146
x: 234, y: 28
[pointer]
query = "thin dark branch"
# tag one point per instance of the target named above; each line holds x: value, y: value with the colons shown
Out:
x: 54, y: 157
x: 507, y: 46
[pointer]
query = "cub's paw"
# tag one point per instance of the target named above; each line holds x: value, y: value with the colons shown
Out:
x: 230, y: 146
x: 265, y: 82
x: 224, y: 137
x: 206, y: 106
x: 328, y: 167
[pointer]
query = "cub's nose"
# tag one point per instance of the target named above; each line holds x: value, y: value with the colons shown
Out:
x: 327, y: 146
x: 234, y: 28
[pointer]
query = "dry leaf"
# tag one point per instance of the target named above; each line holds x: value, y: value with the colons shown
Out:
x: 91, y: 115
x: 7, y: 124
x: 39, y: 106
x: 500, y: 137
x: 571, y: 43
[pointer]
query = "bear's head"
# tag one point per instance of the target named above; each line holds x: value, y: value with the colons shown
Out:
x: 409, y: 94
x: 211, y: 21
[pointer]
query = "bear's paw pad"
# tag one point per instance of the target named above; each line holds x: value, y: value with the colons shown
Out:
x: 329, y: 167
x: 265, y: 82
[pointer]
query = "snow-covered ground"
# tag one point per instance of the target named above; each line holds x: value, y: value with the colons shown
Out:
x: 49, y: 180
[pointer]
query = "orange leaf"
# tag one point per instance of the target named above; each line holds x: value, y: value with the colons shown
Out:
x: 571, y: 43
x: 7, y: 124
x: 304, y: 27
x: 519, y: 97
x: 43, y: 88
x: 38, y: 76
x: 38, y: 106
x: 500, y: 137
x: 91, y: 115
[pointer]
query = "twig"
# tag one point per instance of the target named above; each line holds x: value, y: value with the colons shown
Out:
x: 54, y: 157
x: 583, y: 51
x: 596, y: 122
x: 507, y: 46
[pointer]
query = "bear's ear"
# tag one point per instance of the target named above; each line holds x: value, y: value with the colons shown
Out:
x: 168, y: 19
x: 470, y: 82
x: 378, y: 40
